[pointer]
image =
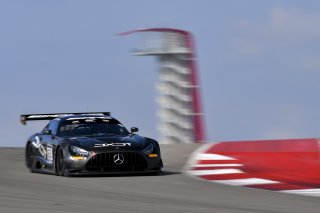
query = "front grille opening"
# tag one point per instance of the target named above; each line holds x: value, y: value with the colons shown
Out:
x: 104, y: 162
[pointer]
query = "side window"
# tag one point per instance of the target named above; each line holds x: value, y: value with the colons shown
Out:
x: 53, y: 126
x: 45, y: 128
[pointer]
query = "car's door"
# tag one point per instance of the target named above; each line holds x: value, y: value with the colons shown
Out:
x: 49, y: 141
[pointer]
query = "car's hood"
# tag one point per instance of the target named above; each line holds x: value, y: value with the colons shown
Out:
x: 112, y: 142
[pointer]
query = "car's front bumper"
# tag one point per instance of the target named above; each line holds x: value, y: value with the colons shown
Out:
x: 104, y: 163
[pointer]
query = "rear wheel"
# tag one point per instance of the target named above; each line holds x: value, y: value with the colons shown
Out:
x: 60, y: 163
x: 30, y: 162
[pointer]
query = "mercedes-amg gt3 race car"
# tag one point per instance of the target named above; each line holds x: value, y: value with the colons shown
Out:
x: 89, y: 143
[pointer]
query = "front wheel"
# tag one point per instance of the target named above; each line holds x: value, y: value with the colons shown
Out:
x: 60, y: 164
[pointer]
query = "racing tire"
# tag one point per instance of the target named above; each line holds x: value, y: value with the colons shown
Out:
x: 60, y: 164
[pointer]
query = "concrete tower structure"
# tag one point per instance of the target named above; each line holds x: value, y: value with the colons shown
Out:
x: 179, y: 101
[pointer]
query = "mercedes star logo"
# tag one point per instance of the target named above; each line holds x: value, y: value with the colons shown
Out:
x: 118, y: 159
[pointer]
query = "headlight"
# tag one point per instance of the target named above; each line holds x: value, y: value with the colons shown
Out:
x: 149, y: 149
x: 78, y: 151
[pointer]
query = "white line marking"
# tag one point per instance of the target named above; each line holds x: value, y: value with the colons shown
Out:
x: 215, y: 172
x: 213, y: 157
x: 310, y: 192
x: 217, y: 165
x: 246, y: 181
x: 192, y: 159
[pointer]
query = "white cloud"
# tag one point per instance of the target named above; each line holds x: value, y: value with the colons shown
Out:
x: 283, y: 24
x: 288, y: 123
x: 292, y: 25
x: 290, y: 36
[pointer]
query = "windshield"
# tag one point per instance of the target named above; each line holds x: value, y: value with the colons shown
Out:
x: 91, y: 127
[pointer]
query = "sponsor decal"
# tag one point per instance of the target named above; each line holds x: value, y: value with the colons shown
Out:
x: 45, y: 116
x: 37, y: 144
x: 112, y: 144
x: 45, y: 152
x: 49, y: 152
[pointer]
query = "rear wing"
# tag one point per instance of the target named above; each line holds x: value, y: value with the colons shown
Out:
x: 50, y: 116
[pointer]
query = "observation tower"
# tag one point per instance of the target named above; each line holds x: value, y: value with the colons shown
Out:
x: 179, y: 102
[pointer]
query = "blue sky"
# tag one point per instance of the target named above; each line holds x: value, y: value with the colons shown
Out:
x: 259, y: 64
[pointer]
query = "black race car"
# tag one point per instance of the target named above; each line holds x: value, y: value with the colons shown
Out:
x: 89, y: 143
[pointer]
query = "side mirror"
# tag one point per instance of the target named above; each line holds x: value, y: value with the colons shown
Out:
x: 47, y: 132
x: 134, y: 129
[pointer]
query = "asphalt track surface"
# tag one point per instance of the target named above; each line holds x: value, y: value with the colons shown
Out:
x: 21, y: 191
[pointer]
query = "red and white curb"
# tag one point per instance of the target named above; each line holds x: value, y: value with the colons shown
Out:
x: 224, y: 169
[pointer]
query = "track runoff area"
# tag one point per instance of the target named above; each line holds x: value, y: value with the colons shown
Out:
x: 22, y: 191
